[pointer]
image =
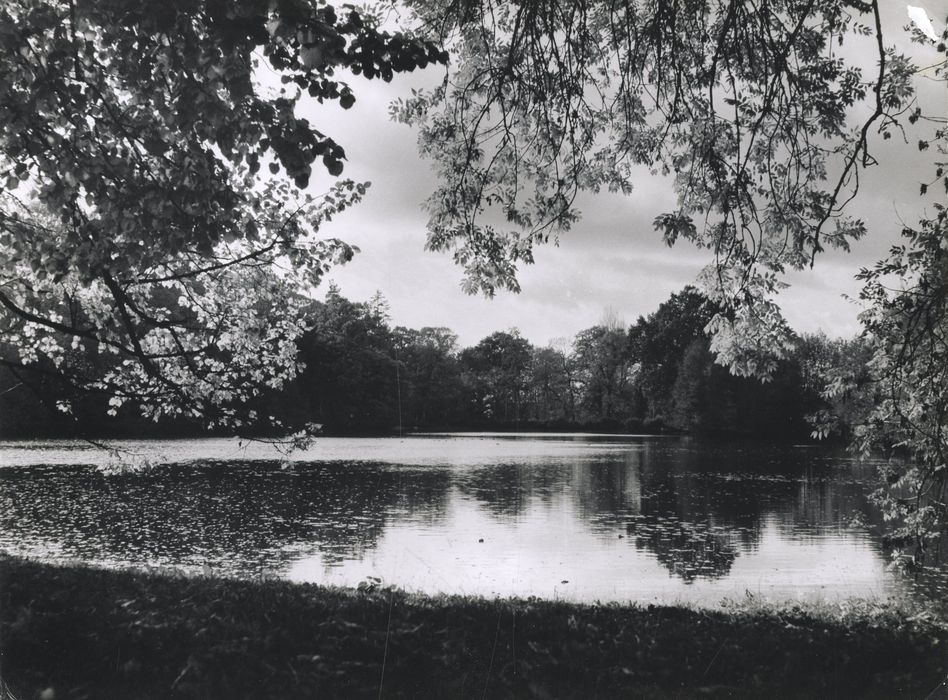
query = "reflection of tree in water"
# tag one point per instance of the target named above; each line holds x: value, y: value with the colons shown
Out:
x: 689, y: 550
x: 242, y: 518
x: 696, y: 506
x: 508, y: 489
x: 704, y: 504
x: 608, y: 492
x: 691, y: 533
x: 825, y: 500
x: 604, y: 489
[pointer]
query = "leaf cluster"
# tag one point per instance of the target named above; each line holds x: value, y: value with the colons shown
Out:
x: 135, y: 215
x: 907, y: 318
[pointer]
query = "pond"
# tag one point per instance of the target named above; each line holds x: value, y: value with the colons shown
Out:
x: 577, y: 517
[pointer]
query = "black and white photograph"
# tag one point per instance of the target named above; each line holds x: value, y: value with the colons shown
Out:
x: 485, y: 349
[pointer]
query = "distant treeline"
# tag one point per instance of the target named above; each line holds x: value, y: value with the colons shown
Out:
x: 362, y: 375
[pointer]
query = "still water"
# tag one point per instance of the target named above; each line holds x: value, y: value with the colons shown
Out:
x: 579, y: 517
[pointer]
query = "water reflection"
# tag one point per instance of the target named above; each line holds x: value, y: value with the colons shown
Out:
x: 240, y: 518
x: 585, y: 518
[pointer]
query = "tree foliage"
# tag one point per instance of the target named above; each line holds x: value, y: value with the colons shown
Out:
x: 498, y: 369
x: 137, y: 218
x: 755, y: 111
x: 605, y: 370
x: 661, y: 341
x: 429, y: 388
x: 907, y: 320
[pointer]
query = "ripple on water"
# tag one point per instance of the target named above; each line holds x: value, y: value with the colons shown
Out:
x: 618, y: 518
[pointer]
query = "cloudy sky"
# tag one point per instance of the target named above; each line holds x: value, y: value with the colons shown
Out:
x: 612, y: 259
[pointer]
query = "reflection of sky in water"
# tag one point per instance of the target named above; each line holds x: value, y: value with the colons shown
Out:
x: 606, y: 518
x: 435, y: 450
x: 546, y: 555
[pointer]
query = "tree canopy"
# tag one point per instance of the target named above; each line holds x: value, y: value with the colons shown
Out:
x: 760, y: 113
x: 153, y: 201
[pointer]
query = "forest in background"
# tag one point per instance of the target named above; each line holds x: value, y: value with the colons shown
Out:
x: 362, y: 375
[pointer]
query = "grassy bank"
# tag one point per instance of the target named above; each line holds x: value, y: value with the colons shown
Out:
x: 82, y: 632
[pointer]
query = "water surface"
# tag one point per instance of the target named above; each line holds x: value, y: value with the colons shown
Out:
x: 609, y: 518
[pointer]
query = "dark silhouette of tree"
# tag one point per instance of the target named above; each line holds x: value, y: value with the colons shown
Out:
x: 350, y: 369
x: 550, y: 392
x: 659, y: 343
x: 430, y: 374
x: 604, y: 369
x: 497, y: 370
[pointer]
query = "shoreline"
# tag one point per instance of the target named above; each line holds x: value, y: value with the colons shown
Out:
x: 87, y: 632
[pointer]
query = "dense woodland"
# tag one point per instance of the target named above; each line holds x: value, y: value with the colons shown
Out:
x: 362, y: 375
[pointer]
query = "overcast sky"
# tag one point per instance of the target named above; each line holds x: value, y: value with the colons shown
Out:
x: 612, y: 259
